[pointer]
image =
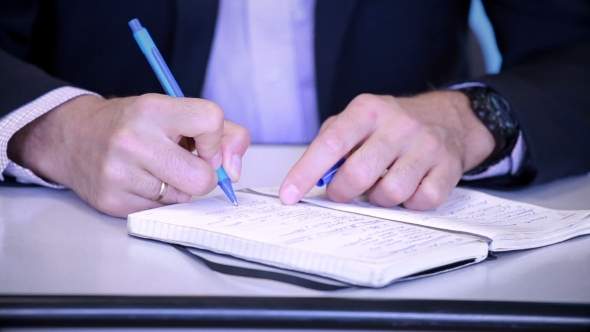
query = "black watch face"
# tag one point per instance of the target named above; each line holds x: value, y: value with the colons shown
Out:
x: 502, y: 110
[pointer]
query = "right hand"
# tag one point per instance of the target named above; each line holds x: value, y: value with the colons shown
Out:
x: 115, y: 153
x: 400, y: 150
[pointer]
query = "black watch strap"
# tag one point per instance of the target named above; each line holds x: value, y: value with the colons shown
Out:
x: 495, y: 113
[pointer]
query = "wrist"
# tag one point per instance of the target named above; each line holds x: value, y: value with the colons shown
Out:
x: 39, y: 145
x: 478, y: 142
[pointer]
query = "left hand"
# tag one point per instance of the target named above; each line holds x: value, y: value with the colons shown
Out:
x: 425, y: 143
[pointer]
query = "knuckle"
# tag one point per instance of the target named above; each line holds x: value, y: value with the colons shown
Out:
x: 171, y: 165
x: 110, y: 204
x: 213, y: 115
x: 328, y: 122
x: 201, y: 182
x: 430, y: 196
x: 431, y: 146
x: 123, y: 143
x: 359, y: 175
x: 368, y: 100
x: 375, y: 105
x: 150, y: 187
x: 432, y: 142
x: 183, y: 197
x: 145, y: 104
x: 242, y: 134
x: 111, y: 174
x: 395, y: 194
x: 378, y: 149
x: 332, y: 143
x: 409, y: 170
x: 369, y: 106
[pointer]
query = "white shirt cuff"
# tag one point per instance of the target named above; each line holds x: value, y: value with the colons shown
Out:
x: 19, y: 118
x: 509, y: 165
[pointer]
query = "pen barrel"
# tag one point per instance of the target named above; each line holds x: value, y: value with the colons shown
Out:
x: 327, y: 178
x: 156, y: 61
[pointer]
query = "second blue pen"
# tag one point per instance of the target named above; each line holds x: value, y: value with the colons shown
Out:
x: 155, y: 59
x: 327, y: 178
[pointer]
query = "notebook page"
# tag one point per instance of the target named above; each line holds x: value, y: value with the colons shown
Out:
x: 343, y: 246
x: 475, y: 212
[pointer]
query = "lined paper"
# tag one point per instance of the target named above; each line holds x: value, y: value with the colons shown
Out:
x: 510, y: 224
x: 348, y: 247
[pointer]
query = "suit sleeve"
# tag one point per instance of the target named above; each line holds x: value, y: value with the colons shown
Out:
x: 545, y: 76
x: 24, y: 88
x: 20, y: 81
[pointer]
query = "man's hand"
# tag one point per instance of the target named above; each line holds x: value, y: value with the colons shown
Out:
x: 116, y: 153
x: 409, y: 151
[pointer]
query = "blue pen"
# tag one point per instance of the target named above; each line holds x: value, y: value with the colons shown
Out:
x: 330, y: 173
x: 159, y: 66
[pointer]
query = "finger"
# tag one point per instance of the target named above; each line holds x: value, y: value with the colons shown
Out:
x: 190, y: 117
x: 349, y: 128
x: 364, y: 167
x: 234, y: 143
x: 436, y: 187
x: 148, y: 186
x: 125, y: 203
x: 178, y: 167
x: 403, y: 177
x: 208, y: 142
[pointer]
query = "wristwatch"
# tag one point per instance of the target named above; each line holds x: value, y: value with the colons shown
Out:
x: 495, y: 113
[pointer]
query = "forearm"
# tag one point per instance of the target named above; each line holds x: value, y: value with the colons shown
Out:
x: 13, y: 127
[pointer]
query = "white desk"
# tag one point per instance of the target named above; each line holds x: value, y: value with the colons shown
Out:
x: 53, y: 243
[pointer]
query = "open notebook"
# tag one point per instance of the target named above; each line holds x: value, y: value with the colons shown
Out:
x: 358, y: 243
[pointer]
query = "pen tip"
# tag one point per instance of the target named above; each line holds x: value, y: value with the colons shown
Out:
x: 236, y: 203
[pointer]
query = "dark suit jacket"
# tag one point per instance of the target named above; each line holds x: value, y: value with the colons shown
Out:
x: 374, y: 46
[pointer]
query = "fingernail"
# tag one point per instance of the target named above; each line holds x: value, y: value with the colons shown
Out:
x: 235, y: 167
x: 289, y: 194
x: 216, y: 160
